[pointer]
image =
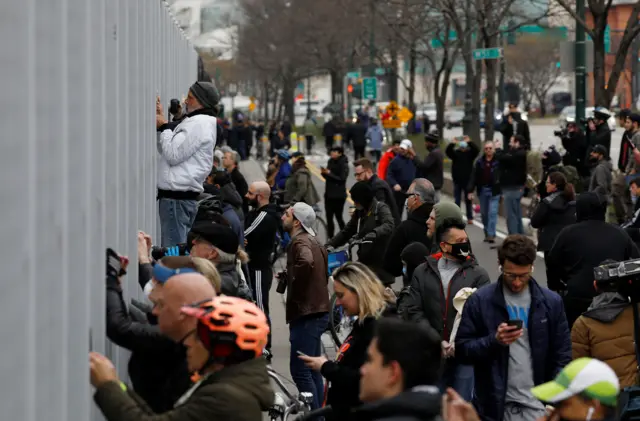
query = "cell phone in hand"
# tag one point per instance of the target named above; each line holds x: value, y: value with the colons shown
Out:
x: 114, y: 264
x: 515, y: 323
x: 301, y: 353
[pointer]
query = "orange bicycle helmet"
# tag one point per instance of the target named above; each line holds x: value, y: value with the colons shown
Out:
x: 232, y: 329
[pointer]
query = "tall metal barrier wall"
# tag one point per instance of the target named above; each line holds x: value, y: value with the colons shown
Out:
x: 78, y: 163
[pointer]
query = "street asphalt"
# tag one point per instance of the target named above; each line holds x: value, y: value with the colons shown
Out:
x: 485, y: 254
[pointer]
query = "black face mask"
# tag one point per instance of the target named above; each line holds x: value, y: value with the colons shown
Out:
x: 460, y: 250
x: 593, y: 159
x: 430, y: 147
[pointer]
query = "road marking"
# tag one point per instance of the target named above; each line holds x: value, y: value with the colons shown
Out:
x: 316, y: 171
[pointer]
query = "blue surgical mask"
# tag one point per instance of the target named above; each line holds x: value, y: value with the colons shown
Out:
x: 462, y: 144
x: 404, y: 270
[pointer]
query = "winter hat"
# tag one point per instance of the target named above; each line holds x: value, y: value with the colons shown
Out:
x: 206, y: 94
x: 220, y: 236
x: 362, y: 193
x: 445, y: 211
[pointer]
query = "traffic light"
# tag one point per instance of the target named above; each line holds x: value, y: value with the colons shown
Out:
x: 350, y: 88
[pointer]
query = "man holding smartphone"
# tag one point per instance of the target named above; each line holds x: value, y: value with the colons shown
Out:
x: 517, y: 328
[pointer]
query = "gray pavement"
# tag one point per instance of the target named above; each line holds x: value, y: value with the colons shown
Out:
x: 485, y: 253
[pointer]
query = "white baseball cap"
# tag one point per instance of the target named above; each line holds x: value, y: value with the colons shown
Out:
x: 406, y: 144
x: 306, y: 215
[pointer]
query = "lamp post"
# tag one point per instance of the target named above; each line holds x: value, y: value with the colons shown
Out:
x: 466, y: 120
x: 580, y: 62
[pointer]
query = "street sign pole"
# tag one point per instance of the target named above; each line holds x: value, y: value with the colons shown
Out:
x: 580, y: 62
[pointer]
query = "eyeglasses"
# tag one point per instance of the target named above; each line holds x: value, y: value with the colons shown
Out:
x: 513, y: 276
x: 358, y: 174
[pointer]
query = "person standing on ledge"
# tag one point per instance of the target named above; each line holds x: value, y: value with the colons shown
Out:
x: 185, y: 160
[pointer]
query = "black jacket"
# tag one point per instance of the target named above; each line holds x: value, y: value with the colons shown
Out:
x: 584, y: 245
x: 600, y: 136
x: 343, y: 374
x: 260, y: 234
x: 513, y: 167
x: 521, y: 126
x: 422, y: 403
x: 575, y: 145
x: 158, y: 366
x: 336, y: 180
x: 429, y: 303
x: 552, y: 214
x: 432, y: 168
x: 462, y: 162
x: 241, y: 187
x: 383, y: 193
x: 357, y: 133
x: 377, y: 219
x: 232, y: 285
x: 478, y: 180
x: 625, y: 146
x: 413, y: 229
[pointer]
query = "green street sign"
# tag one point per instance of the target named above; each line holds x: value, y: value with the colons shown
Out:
x: 487, y: 53
x: 380, y: 71
x: 369, y: 88
x: 353, y: 75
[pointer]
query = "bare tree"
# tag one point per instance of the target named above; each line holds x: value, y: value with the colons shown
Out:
x: 605, y: 89
x: 532, y: 63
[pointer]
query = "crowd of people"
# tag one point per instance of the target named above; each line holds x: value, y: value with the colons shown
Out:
x: 452, y: 343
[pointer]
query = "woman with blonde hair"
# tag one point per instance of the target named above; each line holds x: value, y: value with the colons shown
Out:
x: 362, y: 295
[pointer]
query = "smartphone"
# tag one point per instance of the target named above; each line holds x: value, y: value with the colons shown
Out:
x: 301, y: 353
x: 516, y: 322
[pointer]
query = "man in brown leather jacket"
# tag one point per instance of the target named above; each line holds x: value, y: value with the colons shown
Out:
x: 307, y: 296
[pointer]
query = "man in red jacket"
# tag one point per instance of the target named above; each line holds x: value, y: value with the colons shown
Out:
x: 386, y: 159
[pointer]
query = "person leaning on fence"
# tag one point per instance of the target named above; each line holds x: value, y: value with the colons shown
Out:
x: 185, y: 160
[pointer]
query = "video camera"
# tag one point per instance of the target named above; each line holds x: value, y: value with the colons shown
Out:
x: 561, y: 133
x: 158, y: 253
x: 622, y: 277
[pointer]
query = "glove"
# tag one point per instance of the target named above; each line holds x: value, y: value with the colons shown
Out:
x: 371, y: 236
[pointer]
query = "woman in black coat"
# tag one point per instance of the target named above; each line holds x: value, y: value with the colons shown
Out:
x: 555, y: 211
x: 360, y: 293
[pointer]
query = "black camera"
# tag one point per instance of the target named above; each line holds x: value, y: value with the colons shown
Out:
x: 560, y: 133
x: 158, y: 253
x: 621, y: 277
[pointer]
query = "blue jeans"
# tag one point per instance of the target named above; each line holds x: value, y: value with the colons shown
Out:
x: 304, y: 336
x: 459, y: 190
x: 176, y: 218
x: 489, y: 205
x: 512, y: 198
x: 459, y: 377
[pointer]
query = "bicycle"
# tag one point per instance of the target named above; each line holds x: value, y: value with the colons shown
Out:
x: 286, y: 404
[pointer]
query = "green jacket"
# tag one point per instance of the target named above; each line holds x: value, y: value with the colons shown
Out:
x: 239, y: 392
x: 299, y: 188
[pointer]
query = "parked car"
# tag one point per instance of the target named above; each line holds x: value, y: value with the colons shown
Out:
x: 453, y: 118
x: 568, y: 115
x: 429, y: 109
x: 497, y: 119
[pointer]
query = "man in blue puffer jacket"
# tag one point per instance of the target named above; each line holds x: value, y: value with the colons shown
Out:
x: 516, y: 335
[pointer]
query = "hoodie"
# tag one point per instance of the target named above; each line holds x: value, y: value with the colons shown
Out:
x: 601, y: 178
x: 230, y: 195
x: 584, y: 245
x: 422, y: 403
x: 374, y: 134
x: 605, y: 332
x: 261, y: 227
x: 552, y: 214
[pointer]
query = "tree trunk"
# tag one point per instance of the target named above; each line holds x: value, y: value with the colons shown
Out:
x: 393, y: 79
x: 543, y: 105
x: 599, y: 82
x: 265, y: 102
x: 490, y: 97
x: 336, y: 87
x: 275, y: 109
x: 412, y: 85
x: 288, y: 100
